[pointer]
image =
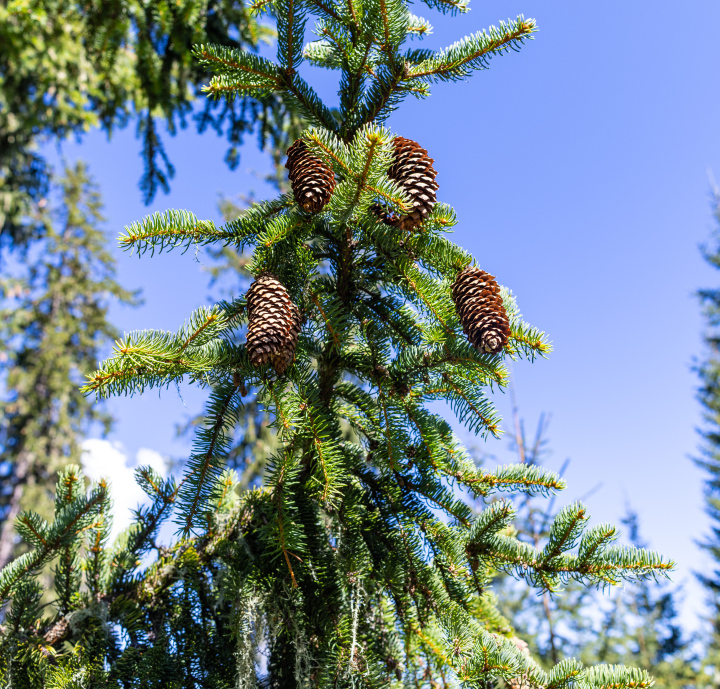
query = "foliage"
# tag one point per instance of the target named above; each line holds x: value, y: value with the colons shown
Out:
x: 636, y: 624
x: 53, y: 323
x: 359, y: 562
x: 67, y: 67
x: 709, y: 396
x: 642, y: 627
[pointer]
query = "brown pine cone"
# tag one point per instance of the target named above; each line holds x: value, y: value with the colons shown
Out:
x: 274, y: 323
x: 312, y: 181
x: 480, y: 309
x: 412, y: 169
x: 57, y: 632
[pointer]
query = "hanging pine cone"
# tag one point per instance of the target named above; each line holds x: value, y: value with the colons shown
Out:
x: 274, y: 323
x: 481, y: 311
x: 312, y: 181
x: 412, y: 169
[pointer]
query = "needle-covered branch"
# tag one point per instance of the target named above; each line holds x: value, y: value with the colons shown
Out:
x: 171, y: 229
x: 473, y: 52
x: 205, y: 464
x: 375, y: 74
x: 72, y: 518
x: 156, y: 358
x: 595, y: 562
x: 237, y: 70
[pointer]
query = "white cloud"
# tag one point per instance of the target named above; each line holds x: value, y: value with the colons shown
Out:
x: 103, y: 459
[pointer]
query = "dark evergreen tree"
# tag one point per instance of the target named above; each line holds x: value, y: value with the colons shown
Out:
x: 359, y: 562
x: 709, y: 396
x: 66, y: 67
x: 53, y: 325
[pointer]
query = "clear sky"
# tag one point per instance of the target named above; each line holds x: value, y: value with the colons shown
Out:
x: 578, y: 169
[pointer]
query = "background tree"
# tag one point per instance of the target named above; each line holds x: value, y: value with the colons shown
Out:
x: 709, y: 396
x: 67, y: 67
x: 53, y: 325
x: 635, y: 625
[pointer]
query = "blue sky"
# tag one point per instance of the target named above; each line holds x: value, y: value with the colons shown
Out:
x: 579, y: 171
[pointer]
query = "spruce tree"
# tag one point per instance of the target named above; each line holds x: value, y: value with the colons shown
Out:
x: 67, y: 67
x: 709, y: 396
x: 53, y: 325
x: 359, y: 562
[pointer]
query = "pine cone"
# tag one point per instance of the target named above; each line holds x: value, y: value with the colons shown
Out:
x: 312, y: 181
x: 481, y: 311
x: 57, y: 632
x: 412, y: 169
x: 274, y: 323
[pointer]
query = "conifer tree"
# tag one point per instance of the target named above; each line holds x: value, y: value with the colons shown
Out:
x: 709, y: 396
x: 359, y: 562
x: 67, y: 67
x: 53, y: 324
